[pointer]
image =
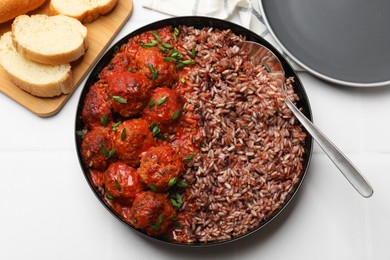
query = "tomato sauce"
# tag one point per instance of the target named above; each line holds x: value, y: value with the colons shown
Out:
x: 140, y: 132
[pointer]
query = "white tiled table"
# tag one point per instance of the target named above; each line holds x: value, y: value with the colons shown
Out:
x: 47, y: 210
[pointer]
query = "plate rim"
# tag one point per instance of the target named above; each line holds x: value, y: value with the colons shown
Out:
x: 307, y: 67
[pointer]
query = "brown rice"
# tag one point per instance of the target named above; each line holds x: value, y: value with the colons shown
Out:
x: 251, y: 148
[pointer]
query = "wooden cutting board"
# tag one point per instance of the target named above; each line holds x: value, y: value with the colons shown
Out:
x: 100, y: 34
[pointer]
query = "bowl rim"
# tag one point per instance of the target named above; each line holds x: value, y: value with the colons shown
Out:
x: 197, y: 22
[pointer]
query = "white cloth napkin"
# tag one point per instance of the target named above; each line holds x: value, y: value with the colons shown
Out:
x: 248, y: 12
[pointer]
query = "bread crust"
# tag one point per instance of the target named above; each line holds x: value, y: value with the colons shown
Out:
x: 9, y: 9
x: 52, y: 89
x: 88, y: 15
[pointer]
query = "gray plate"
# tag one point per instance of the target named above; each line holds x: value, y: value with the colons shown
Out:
x: 343, y: 41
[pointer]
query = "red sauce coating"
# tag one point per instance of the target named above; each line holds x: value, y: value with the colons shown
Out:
x: 131, y: 139
x: 96, y: 147
x: 97, y: 104
x: 129, y: 92
x: 149, y: 59
x: 136, y: 110
x: 153, y: 213
x: 165, y: 108
x: 119, y: 63
x: 160, y: 167
x: 122, y: 183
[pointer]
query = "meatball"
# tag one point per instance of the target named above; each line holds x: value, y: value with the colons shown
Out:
x: 122, y: 183
x: 160, y: 167
x: 97, y: 149
x: 129, y: 92
x: 152, y: 212
x: 119, y: 63
x: 96, y: 105
x: 164, y: 108
x: 131, y: 139
x: 150, y: 62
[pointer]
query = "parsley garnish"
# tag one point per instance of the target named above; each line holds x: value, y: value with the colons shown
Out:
x: 175, y: 34
x: 106, y: 153
x: 162, y: 100
x: 152, y: 187
x: 153, y: 71
x: 117, y: 185
x: 123, y: 134
x: 110, y: 196
x: 176, y: 114
x: 189, y: 157
x: 157, y: 226
x: 81, y: 132
x: 115, y: 126
x: 176, y: 200
x: 172, y: 182
x: 104, y: 120
x: 119, y: 99
x: 155, y: 34
x: 152, y: 43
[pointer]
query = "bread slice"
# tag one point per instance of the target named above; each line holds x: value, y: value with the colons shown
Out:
x: 85, y: 11
x: 49, y: 39
x: 9, y: 9
x: 36, y: 78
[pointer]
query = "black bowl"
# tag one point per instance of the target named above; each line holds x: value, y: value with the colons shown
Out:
x: 197, y: 22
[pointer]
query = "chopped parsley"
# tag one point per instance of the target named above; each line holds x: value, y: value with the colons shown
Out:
x: 119, y: 99
x: 176, y: 114
x: 153, y: 71
x: 157, y: 225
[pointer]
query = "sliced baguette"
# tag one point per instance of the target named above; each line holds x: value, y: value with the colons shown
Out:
x: 85, y: 11
x: 36, y: 78
x: 49, y: 39
x: 9, y: 9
